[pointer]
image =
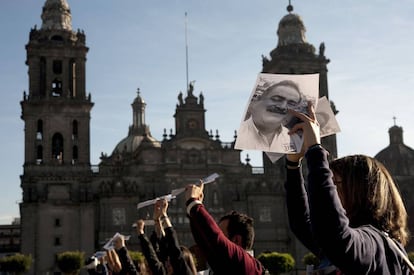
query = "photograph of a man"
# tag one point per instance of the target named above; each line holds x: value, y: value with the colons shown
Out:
x: 327, y: 122
x: 266, y: 121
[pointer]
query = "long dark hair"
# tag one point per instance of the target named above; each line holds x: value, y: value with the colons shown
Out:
x: 370, y: 196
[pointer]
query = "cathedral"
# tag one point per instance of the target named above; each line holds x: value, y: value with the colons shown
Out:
x: 69, y: 204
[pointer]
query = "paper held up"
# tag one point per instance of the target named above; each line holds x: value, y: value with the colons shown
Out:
x: 168, y: 197
x: 176, y: 192
x: 110, y: 244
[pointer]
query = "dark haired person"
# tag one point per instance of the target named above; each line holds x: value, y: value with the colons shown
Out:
x: 225, y: 245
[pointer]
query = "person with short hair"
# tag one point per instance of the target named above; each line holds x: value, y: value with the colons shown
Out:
x: 226, y: 245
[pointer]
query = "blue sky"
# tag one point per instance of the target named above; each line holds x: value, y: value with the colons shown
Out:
x: 140, y: 43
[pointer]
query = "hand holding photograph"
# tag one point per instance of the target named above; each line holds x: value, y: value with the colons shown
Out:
x: 326, y: 119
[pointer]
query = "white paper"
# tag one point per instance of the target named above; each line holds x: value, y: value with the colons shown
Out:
x: 176, y: 192
x: 110, y: 244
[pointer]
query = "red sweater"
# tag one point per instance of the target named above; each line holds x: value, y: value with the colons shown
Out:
x: 223, y: 256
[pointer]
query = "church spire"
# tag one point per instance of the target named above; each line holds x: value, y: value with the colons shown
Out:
x: 138, y: 107
x: 396, y: 134
x: 291, y: 29
x: 56, y: 15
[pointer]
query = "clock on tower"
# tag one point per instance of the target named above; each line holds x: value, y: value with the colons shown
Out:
x: 192, y: 124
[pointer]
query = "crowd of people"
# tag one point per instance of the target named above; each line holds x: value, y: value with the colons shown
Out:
x: 227, y: 245
x: 349, y: 213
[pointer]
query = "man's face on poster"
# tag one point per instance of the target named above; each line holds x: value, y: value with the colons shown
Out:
x: 270, y: 110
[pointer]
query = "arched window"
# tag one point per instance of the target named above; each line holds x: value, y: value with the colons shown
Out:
x: 57, y: 66
x: 56, y: 87
x: 39, y: 154
x: 75, y: 130
x: 39, y: 132
x: 57, y: 38
x: 75, y: 153
x: 72, y: 77
x: 57, y: 147
x: 42, y: 77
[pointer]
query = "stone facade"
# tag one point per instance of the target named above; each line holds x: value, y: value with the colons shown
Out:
x: 70, y: 205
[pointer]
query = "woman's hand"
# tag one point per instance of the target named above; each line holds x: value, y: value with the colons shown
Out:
x: 310, y: 129
x: 140, y: 226
x: 193, y: 191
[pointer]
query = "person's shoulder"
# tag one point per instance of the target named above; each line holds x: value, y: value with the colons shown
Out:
x: 372, y: 234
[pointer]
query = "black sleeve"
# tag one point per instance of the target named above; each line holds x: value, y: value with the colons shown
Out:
x: 159, y: 246
x: 156, y: 266
x: 177, y: 260
x: 298, y: 209
x: 128, y: 266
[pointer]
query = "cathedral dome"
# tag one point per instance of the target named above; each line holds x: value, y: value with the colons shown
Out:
x: 131, y: 143
x: 397, y: 157
x: 139, y: 134
x: 291, y: 30
x: 139, y: 99
x: 56, y: 15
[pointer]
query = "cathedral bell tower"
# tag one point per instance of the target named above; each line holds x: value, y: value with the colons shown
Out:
x: 56, y: 110
x: 294, y: 55
x: 56, y: 114
x: 190, y: 115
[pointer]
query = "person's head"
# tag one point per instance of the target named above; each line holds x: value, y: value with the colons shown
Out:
x: 269, y: 110
x: 238, y: 228
x: 369, y: 195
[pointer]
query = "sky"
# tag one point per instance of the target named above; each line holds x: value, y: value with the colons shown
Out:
x: 142, y: 44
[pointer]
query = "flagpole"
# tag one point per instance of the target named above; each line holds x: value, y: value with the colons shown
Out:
x: 186, y: 52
